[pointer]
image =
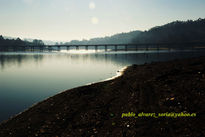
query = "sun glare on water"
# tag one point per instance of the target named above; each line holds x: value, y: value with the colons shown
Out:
x: 81, y: 51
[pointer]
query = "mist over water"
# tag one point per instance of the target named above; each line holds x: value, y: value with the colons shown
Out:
x: 27, y: 78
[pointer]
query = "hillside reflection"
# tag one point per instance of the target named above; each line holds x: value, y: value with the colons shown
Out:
x: 7, y: 60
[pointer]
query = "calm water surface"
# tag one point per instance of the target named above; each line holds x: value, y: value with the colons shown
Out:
x: 27, y: 78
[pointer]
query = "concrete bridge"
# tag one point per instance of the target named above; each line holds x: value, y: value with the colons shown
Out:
x: 112, y: 47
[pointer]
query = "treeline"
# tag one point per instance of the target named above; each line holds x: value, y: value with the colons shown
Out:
x: 174, y: 32
x: 122, y: 38
x: 18, y: 42
x: 178, y: 31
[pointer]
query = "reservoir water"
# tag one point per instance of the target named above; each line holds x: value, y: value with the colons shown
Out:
x: 29, y: 77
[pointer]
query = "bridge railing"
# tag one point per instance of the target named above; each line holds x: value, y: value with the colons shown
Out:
x: 113, y: 47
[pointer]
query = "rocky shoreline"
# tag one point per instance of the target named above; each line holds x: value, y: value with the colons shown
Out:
x: 96, y: 110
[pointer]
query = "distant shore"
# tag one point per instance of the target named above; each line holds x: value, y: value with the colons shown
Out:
x: 107, y: 108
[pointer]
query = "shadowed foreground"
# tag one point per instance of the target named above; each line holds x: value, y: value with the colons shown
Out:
x: 96, y: 110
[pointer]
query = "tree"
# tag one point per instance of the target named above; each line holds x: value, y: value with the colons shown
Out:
x: 178, y: 31
x: 19, y: 42
x: 1, y: 38
x: 38, y: 42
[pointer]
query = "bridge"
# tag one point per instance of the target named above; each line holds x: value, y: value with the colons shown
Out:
x: 111, y: 47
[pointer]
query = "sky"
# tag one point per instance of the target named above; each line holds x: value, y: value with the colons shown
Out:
x: 65, y: 20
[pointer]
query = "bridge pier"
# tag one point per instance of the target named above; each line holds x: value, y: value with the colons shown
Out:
x: 115, y: 47
x: 41, y: 49
x: 59, y: 48
x: 96, y: 47
x: 49, y: 48
x: 5, y: 49
x: 147, y: 47
x: 67, y: 47
x: 126, y: 47
x: 105, y: 47
x: 77, y: 47
x: 14, y: 48
x: 32, y: 48
x: 86, y: 47
x: 157, y: 47
x: 192, y: 48
x: 169, y: 48
x: 136, y: 47
x: 24, y: 48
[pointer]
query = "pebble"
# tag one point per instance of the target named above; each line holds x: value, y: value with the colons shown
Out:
x: 172, y: 98
x: 42, y: 130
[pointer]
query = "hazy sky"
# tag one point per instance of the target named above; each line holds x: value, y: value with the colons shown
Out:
x: 64, y: 20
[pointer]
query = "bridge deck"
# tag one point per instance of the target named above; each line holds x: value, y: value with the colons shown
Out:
x: 126, y: 47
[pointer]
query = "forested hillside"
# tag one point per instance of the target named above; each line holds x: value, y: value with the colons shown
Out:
x: 18, y: 42
x: 178, y: 31
x: 122, y: 38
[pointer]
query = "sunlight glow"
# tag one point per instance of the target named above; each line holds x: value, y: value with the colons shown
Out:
x: 94, y: 20
x: 81, y: 51
x: 92, y: 5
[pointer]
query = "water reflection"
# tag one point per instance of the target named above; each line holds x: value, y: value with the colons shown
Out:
x: 9, y: 59
x: 27, y: 78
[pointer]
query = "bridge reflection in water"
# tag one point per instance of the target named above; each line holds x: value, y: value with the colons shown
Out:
x: 112, y: 47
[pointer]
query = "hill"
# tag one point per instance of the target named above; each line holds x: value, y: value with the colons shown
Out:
x: 177, y: 31
x: 121, y: 38
x: 9, y: 42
